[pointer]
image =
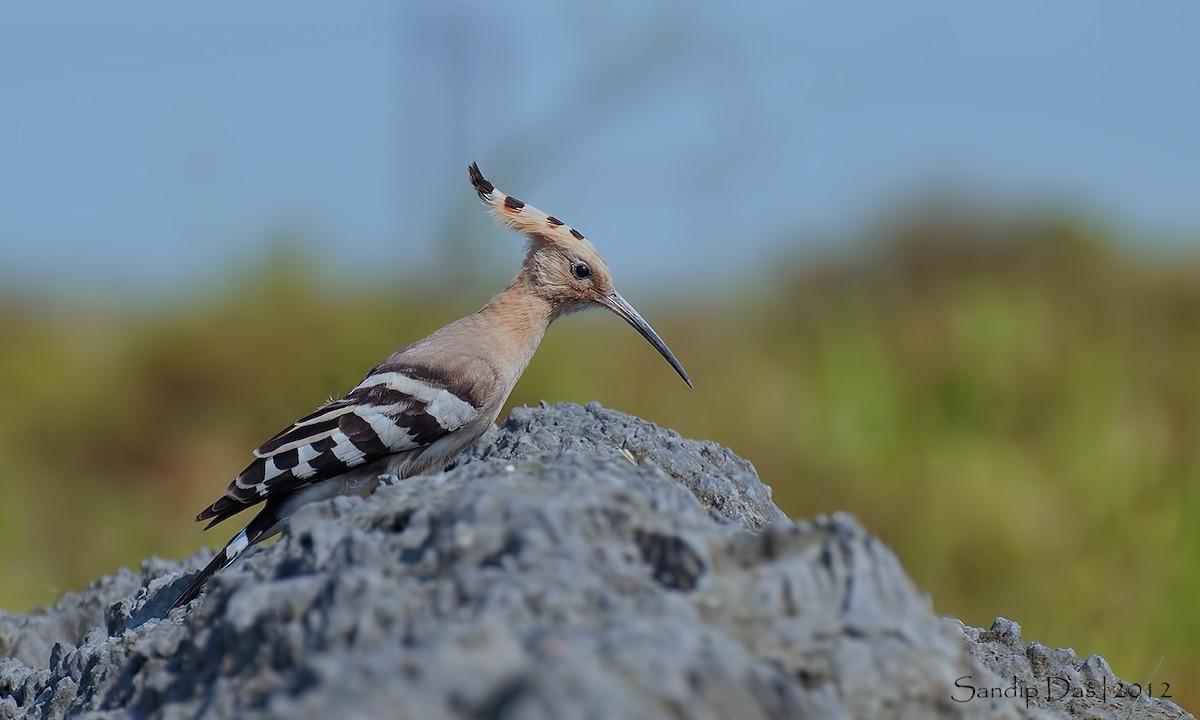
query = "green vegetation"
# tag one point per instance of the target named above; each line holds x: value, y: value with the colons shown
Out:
x: 1013, y: 406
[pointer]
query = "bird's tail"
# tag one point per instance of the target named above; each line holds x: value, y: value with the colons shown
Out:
x: 233, y: 550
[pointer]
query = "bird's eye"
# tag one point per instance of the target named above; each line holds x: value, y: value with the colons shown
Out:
x: 580, y: 270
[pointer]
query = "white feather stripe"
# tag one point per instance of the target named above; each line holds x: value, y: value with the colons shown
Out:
x: 270, y: 471
x: 394, y: 437
x: 303, y: 470
x: 333, y: 411
x: 392, y: 409
x: 237, y: 545
x: 346, y: 451
x: 307, y: 452
x: 306, y: 440
x: 450, y: 411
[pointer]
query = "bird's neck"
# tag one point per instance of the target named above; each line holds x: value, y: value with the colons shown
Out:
x: 519, y: 315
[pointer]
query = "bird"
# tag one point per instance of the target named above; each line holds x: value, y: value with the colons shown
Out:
x: 417, y: 410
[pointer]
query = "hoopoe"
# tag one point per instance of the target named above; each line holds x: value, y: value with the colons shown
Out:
x: 428, y: 402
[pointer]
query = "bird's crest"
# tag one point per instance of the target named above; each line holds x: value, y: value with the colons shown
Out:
x: 524, y: 218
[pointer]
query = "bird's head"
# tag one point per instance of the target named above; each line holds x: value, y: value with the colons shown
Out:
x: 563, y: 267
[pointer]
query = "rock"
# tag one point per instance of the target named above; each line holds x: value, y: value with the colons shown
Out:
x: 576, y: 563
x: 1055, y: 679
x: 724, y: 483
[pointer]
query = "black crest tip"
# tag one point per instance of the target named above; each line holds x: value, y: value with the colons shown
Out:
x: 482, y: 186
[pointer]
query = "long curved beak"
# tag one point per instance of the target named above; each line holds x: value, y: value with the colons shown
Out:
x: 623, y: 309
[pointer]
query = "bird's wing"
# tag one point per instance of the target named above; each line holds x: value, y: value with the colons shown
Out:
x: 394, y: 410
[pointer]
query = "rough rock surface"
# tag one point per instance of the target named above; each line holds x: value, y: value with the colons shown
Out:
x: 578, y: 563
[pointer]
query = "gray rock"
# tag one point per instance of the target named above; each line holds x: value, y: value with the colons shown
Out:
x: 577, y: 563
x: 1055, y: 679
x: 724, y: 483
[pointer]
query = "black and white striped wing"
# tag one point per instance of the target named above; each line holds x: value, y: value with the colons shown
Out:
x: 389, y: 412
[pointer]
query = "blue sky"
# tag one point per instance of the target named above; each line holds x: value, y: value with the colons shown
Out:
x: 144, y: 147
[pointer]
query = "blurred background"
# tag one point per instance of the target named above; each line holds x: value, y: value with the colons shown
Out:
x: 937, y: 266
